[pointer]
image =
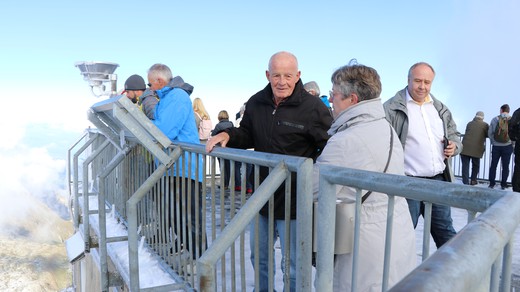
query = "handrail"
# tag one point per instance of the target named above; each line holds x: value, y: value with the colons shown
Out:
x: 208, y: 260
x: 116, y: 160
x: 464, y: 261
x: 485, y: 237
x: 131, y: 206
x: 69, y: 171
x: 75, y: 166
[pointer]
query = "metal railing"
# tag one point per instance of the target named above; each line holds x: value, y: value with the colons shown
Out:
x: 485, y: 162
x: 453, y: 267
x: 135, y: 171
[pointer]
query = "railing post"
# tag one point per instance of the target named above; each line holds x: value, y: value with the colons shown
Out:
x: 325, y: 237
x: 76, y: 179
x: 103, y: 256
x: 304, y: 190
x: 86, y: 207
x: 205, y: 264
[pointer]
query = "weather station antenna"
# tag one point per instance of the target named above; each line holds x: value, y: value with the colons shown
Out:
x: 98, y: 73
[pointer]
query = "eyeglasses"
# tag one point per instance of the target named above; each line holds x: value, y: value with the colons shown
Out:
x: 149, y: 84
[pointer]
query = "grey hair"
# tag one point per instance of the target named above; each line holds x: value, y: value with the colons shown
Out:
x: 312, y: 85
x: 359, y: 79
x: 418, y: 64
x: 160, y: 71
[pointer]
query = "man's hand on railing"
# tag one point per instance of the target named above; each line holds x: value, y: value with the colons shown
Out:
x: 221, y: 138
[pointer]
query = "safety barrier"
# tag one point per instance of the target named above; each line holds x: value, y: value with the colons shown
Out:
x: 485, y: 162
x: 198, y: 232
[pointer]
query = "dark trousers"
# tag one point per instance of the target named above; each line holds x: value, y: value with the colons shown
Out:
x: 442, y: 225
x: 224, y: 177
x: 475, y: 166
x: 502, y: 153
x: 181, y: 217
x: 516, y: 172
x: 249, y: 172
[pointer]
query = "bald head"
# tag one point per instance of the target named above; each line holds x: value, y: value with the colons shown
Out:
x: 283, y: 56
x: 283, y: 75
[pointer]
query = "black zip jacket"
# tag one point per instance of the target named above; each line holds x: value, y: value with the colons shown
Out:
x: 298, y: 126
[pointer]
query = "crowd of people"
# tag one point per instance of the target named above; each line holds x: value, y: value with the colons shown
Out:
x: 502, y: 132
x: 412, y: 134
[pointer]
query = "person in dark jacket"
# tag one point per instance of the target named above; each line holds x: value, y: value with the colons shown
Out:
x: 282, y: 118
x: 473, y: 146
x: 514, y: 135
x: 223, y: 123
x: 145, y: 98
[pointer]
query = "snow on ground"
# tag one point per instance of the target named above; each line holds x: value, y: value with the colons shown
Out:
x: 150, y: 272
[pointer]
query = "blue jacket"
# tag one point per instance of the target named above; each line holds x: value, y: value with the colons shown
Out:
x: 175, y: 118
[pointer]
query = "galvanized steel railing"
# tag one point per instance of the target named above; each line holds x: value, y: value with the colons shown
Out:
x: 459, y: 265
x: 485, y: 162
x: 128, y: 163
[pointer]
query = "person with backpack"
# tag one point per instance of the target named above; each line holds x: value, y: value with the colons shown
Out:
x: 514, y: 135
x: 202, y: 120
x: 502, y: 146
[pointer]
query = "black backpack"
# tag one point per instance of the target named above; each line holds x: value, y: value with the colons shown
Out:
x: 514, y: 126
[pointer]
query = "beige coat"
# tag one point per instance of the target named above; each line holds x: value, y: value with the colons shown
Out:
x: 364, y: 144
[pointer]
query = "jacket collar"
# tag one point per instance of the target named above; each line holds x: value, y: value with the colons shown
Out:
x: 176, y: 82
x: 295, y: 98
x: 364, y: 111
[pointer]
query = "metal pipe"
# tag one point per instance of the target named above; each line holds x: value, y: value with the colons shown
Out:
x: 76, y: 179
x: 388, y: 241
x: 69, y: 162
x: 304, y: 189
x: 131, y: 207
x: 326, y: 236
x: 456, y: 195
x: 86, y: 208
x: 463, y: 260
x: 205, y: 264
x: 120, y: 156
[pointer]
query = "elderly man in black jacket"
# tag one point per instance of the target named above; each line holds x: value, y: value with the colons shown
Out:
x: 282, y: 118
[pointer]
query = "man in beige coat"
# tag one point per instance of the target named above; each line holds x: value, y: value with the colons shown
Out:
x: 473, y: 146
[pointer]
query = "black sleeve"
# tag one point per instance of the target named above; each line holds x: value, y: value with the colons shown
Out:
x: 514, y: 126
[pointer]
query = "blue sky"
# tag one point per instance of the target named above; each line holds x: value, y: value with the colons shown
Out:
x: 222, y: 48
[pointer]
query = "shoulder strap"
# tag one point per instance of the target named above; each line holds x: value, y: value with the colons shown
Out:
x: 387, y: 161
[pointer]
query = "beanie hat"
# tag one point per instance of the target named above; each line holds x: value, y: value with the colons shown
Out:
x: 479, y: 115
x: 135, y: 82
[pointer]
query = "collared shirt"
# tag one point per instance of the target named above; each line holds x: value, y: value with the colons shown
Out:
x: 424, y: 147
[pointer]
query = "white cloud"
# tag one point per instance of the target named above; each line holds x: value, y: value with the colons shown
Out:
x: 28, y: 177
